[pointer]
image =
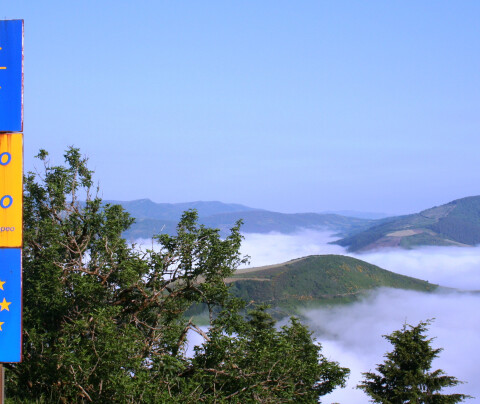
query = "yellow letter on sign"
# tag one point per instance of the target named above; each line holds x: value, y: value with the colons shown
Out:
x: 11, y: 189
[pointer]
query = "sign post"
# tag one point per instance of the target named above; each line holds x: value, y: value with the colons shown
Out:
x: 11, y: 76
x: 11, y: 193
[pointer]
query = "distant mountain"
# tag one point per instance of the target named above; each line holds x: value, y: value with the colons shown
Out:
x: 154, y: 218
x: 146, y: 228
x: 317, y: 279
x: 455, y: 223
x: 265, y: 222
x: 146, y: 209
x: 360, y: 215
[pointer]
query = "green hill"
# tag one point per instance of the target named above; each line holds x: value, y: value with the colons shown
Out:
x: 317, y: 279
x: 455, y: 223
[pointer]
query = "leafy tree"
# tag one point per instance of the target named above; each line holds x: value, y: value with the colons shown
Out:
x: 106, y: 322
x: 262, y: 365
x: 405, y: 376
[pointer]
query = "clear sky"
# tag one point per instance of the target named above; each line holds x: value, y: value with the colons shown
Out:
x: 284, y: 105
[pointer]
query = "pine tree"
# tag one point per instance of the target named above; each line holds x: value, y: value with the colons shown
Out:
x: 405, y: 376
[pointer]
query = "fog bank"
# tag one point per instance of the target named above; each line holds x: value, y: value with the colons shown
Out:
x: 275, y: 248
x: 352, y: 334
x: 455, y: 267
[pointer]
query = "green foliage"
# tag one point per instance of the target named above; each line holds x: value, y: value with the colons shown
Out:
x: 405, y: 376
x: 260, y: 364
x: 105, y: 322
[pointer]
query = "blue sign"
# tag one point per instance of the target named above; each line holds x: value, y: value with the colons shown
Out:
x: 11, y: 76
x: 10, y: 304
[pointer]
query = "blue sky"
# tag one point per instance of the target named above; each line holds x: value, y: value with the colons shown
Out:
x: 284, y: 105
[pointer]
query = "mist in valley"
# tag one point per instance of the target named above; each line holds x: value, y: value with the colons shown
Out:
x: 352, y: 334
x: 274, y: 248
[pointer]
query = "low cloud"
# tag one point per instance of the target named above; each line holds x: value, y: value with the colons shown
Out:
x: 275, y: 248
x: 352, y: 334
x: 455, y: 267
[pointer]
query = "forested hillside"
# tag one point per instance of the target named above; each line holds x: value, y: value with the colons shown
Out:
x: 455, y: 223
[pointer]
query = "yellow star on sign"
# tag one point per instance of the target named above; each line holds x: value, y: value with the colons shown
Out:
x: 1, y: 285
x: 4, y: 305
x: 1, y: 325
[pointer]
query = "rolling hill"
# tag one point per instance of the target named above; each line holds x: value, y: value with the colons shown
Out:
x: 317, y: 279
x: 147, y: 209
x: 154, y: 218
x: 266, y: 222
x: 455, y: 223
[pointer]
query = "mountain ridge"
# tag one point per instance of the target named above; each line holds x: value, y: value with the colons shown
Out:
x: 456, y: 223
x: 154, y: 218
x: 146, y: 208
